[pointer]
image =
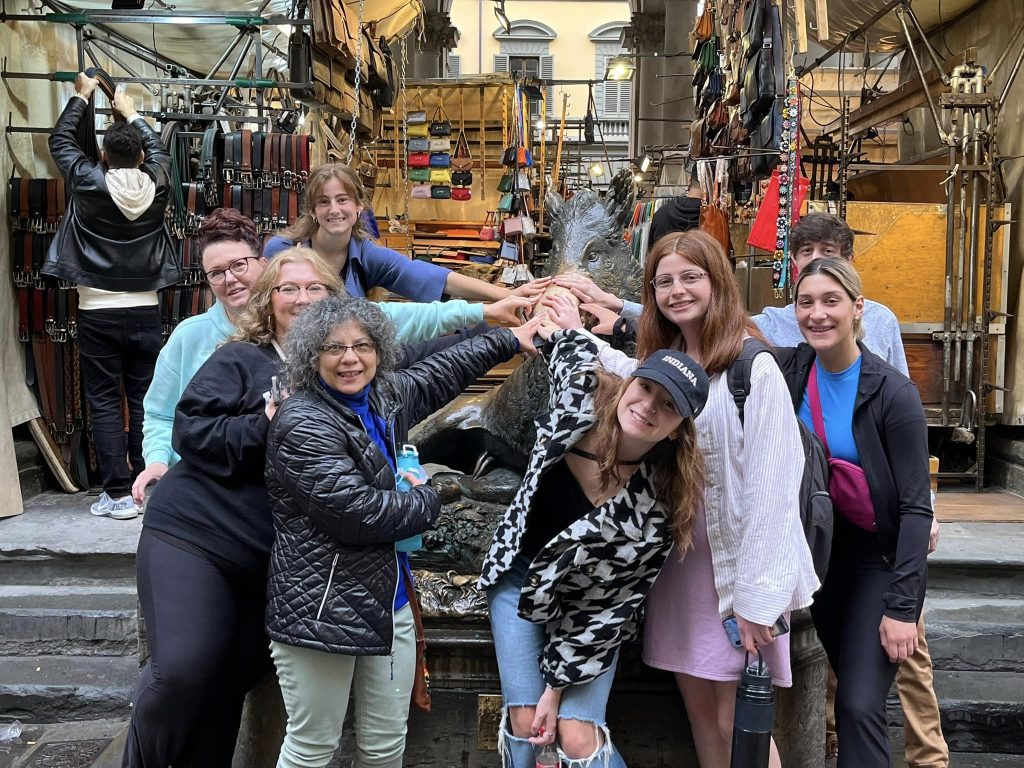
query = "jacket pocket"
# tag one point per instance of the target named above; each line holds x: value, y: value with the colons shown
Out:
x: 327, y: 590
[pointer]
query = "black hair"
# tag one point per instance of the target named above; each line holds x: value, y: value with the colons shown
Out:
x: 822, y: 228
x: 122, y: 144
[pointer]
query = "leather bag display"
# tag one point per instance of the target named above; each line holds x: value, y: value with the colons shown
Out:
x: 461, y: 194
x: 440, y: 176
x: 441, y: 192
x: 420, y: 191
x: 462, y: 178
x: 440, y: 160
x: 419, y: 159
x: 462, y: 160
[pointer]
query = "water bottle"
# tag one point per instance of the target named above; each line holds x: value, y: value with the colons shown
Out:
x: 10, y: 732
x: 546, y: 757
x: 409, y: 461
x: 755, y: 714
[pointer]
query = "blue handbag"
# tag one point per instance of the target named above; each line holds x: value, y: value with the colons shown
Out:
x: 440, y: 160
x: 419, y: 145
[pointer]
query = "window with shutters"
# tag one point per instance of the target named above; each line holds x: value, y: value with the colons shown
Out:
x: 454, y: 65
x: 613, y: 98
x: 525, y: 52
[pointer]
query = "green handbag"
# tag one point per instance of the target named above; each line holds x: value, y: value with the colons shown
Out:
x: 507, y: 182
x: 505, y: 204
x: 419, y: 174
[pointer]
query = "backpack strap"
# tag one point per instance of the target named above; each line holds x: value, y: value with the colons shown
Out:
x: 738, y: 373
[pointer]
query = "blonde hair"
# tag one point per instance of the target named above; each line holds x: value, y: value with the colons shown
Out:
x: 843, y: 272
x: 256, y: 323
x: 305, y: 226
x: 678, y: 463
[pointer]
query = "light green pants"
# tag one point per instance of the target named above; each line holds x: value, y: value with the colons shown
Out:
x: 316, y: 686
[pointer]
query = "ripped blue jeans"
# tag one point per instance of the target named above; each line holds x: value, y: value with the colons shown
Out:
x: 518, y: 644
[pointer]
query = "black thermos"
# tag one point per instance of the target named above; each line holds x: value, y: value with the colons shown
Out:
x: 755, y: 713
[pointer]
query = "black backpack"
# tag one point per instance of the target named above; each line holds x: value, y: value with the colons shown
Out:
x: 815, y: 503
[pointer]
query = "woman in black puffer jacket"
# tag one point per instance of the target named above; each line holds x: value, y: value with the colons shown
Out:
x: 338, y: 614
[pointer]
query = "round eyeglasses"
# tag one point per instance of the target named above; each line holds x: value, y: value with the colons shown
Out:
x: 238, y: 267
x: 686, y: 279
x: 290, y: 292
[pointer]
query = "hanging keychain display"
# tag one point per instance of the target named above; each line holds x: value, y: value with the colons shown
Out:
x: 788, y: 150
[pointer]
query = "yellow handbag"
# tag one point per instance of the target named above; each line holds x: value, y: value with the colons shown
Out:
x: 440, y: 176
x: 417, y: 131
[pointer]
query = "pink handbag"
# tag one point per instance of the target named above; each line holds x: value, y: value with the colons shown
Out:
x: 420, y: 192
x: 487, y: 230
x: 847, y: 483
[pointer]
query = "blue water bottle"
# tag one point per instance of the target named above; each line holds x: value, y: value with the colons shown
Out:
x: 409, y: 461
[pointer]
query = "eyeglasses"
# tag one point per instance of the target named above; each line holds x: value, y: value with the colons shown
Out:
x: 687, y: 279
x: 237, y: 268
x: 290, y: 292
x: 361, y: 348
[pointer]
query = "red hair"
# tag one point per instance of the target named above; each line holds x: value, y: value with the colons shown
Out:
x: 726, y: 321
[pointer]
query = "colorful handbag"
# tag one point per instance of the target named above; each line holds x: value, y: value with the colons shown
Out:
x: 439, y: 192
x: 509, y: 251
x: 440, y: 145
x: 418, y: 117
x: 513, y: 225
x: 487, y: 229
x: 418, y: 131
x: 418, y: 145
x: 440, y: 176
x: 461, y: 158
x: 522, y: 182
x: 440, y: 125
x: 461, y: 193
x: 524, y: 158
x: 440, y: 160
x: 462, y: 179
x: 419, y: 160
x: 508, y: 157
x: 507, y: 182
x: 420, y: 191
x: 419, y: 174
x: 506, y: 202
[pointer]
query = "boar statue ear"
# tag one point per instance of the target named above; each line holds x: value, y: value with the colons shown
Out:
x: 621, y: 196
x: 554, y: 203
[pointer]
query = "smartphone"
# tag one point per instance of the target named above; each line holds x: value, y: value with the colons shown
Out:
x: 732, y: 630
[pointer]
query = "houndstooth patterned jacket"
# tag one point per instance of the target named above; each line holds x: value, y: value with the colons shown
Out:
x: 586, y: 586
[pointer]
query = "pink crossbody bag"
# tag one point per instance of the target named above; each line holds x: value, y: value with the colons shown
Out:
x: 847, y: 483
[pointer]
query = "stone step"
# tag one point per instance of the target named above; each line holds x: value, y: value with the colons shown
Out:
x: 50, y: 689
x: 33, y: 476
x: 975, y: 632
x: 70, y: 621
x: 982, y: 712
x: 979, y: 559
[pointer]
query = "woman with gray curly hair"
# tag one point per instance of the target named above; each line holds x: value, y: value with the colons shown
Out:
x: 338, y: 610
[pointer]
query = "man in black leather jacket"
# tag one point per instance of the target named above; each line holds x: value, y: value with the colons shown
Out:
x: 113, y: 244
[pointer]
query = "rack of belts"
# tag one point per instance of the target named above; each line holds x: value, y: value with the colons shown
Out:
x: 967, y: 114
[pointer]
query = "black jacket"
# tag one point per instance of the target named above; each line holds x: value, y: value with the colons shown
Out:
x: 891, y: 434
x: 96, y: 245
x: 337, y: 515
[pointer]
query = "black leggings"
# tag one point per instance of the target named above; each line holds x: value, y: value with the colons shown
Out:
x: 847, y: 613
x: 208, y: 647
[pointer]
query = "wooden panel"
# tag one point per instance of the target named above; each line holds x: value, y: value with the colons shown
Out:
x: 924, y: 361
x: 989, y: 507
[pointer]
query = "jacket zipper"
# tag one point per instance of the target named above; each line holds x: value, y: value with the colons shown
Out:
x: 330, y: 580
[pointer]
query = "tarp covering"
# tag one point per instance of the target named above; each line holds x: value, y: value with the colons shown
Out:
x: 886, y: 34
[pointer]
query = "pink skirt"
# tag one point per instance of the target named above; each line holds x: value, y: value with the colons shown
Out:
x: 682, y: 629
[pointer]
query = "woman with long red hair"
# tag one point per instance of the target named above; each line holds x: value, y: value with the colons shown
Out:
x: 748, y: 563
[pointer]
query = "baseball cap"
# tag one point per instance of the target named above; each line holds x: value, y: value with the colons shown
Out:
x: 682, y: 377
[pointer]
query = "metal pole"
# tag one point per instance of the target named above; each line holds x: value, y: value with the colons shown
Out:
x: 121, y: 64
x: 257, y: 66
x: 924, y: 41
x: 990, y: 229
x: 852, y: 35
x: 947, y: 312
x: 224, y: 57
x: 139, y: 53
x: 235, y: 82
x: 943, y: 137
x: 976, y: 86
x: 234, y: 73
x: 1011, y: 78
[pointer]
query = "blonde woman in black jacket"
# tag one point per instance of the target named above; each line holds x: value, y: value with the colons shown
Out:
x: 867, y: 610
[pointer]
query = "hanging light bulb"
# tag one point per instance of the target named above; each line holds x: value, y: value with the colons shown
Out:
x: 540, y: 124
x: 596, y: 170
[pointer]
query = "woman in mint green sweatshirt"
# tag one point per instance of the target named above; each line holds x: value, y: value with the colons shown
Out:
x: 229, y: 246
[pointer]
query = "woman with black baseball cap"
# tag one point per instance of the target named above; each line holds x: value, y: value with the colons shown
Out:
x: 613, y: 484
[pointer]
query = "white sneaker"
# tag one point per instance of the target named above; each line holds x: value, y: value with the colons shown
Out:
x: 123, y: 508
x: 101, y: 508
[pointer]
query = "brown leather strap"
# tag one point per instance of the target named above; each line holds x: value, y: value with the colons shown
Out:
x: 275, y: 205
x: 61, y: 199
x: 227, y: 197
x: 24, y: 203
x: 293, y: 206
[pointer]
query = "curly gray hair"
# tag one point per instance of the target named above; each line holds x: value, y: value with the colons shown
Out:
x: 311, y: 330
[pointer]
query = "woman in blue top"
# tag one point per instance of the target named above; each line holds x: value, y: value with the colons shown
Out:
x: 330, y: 224
x: 871, y: 417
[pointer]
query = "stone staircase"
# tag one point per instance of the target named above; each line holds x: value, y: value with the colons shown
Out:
x: 69, y: 630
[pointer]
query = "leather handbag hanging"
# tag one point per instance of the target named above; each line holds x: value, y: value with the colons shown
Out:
x: 440, y: 145
x: 440, y: 176
x: 506, y: 202
x: 507, y: 182
x: 440, y: 125
x: 367, y: 169
x: 513, y: 225
x: 419, y: 145
x: 704, y: 25
x: 421, y: 680
x: 698, y: 142
x: 509, y: 251
x: 418, y: 116
x: 462, y: 160
x: 420, y: 191
x: 755, y: 17
x: 440, y: 160
x: 714, y: 221
x: 441, y: 192
x: 767, y: 137
x: 419, y: 159
x: 462, y: 194
x: 717, y: 115
x: 419, y: 174
x: 487, y: 228
x: 523, y: 182
x: 417, y: 131
x: 462, y: 178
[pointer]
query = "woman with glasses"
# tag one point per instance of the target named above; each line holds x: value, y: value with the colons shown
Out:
x: 229, y: 247
x: 338, y: 615
x: 331, y: 224
x: 748, y: 563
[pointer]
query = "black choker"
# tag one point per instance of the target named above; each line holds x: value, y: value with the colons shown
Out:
x: 595, y: 457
